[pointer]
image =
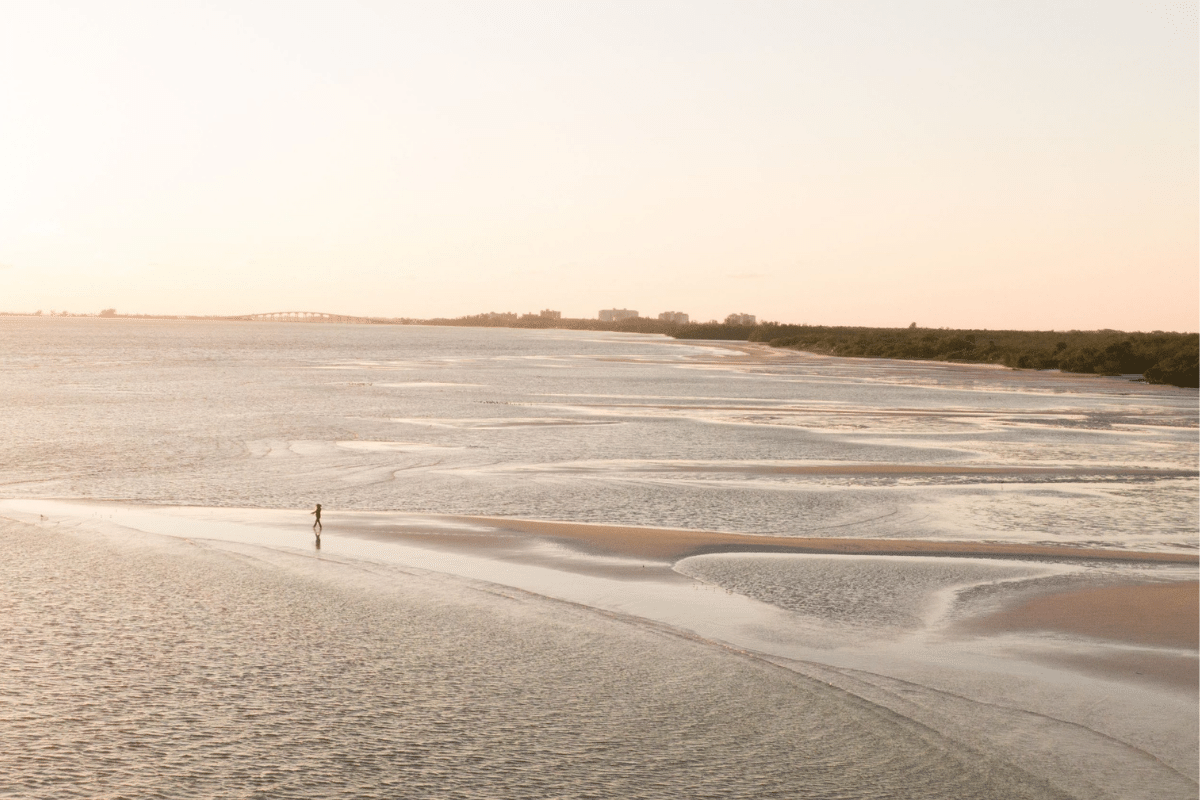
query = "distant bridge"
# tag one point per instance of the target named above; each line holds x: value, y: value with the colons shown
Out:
x: 306, y: 316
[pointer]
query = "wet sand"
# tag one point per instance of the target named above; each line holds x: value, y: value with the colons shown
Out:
x: 1122, y: 704
x: 868, y: 470
x: 1139, y: 667
x: 1150, y: 628
x: 672, y: 545
x: 1145, y: 621
x: 1149, y: 615
x: 1143, y: 617
x: 1152, y: 614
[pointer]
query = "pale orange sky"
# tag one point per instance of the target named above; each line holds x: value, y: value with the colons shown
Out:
x: 999, y: 165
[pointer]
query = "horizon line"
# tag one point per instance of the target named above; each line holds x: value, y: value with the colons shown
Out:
x: 312, y: 316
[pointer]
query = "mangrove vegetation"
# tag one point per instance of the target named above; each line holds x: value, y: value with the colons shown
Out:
x: 1168, y: 358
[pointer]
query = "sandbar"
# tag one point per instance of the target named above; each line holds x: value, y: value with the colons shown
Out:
x: 1157, y: 626
x: 1154, y: 614
x: 924, y: 469
x: 672, y: 544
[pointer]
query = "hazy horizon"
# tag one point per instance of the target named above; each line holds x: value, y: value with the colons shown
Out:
x: 119, y: 314
x: 1002, y: 166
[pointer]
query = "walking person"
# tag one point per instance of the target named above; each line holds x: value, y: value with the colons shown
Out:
x: 317, y: 522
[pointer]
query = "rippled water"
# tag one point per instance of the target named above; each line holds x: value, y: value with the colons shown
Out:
x: 585, y: 427
x: 866, y: 593
x: 218, y: 665
x: 166, y: 669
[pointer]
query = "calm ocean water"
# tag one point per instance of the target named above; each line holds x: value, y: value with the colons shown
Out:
x: 150, y: 666
x: 584, y: 427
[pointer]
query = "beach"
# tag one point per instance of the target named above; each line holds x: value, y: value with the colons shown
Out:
x: 1046, y: 652
x: 568, y: 565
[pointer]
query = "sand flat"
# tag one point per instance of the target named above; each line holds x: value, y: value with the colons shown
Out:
x: 1155, y: 627
x: 1154, y: 614
x: 926, y: 469
x: 998, y: 682
x: 1137, y: 667
x: 672, y: 544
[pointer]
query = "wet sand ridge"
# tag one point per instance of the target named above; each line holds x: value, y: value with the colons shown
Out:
x: 672, y: 545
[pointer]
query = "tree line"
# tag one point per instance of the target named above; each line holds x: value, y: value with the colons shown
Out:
x: 1167, y: 358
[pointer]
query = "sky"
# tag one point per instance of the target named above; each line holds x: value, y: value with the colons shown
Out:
x: 1025, y: 164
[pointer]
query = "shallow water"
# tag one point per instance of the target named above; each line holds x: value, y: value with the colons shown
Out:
x: 219, y: 654
x: 586, y: 427
x: 166, y: 669
x: 859, y: 595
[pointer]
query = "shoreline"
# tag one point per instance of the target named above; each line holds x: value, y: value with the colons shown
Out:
x: 1019, y: 356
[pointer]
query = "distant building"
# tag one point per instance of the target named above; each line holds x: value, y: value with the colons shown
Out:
x: 740, y: 319
x: 506, y: 316
x: 614, y: 314
x: 548, y: 314
x: 678, y: 317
